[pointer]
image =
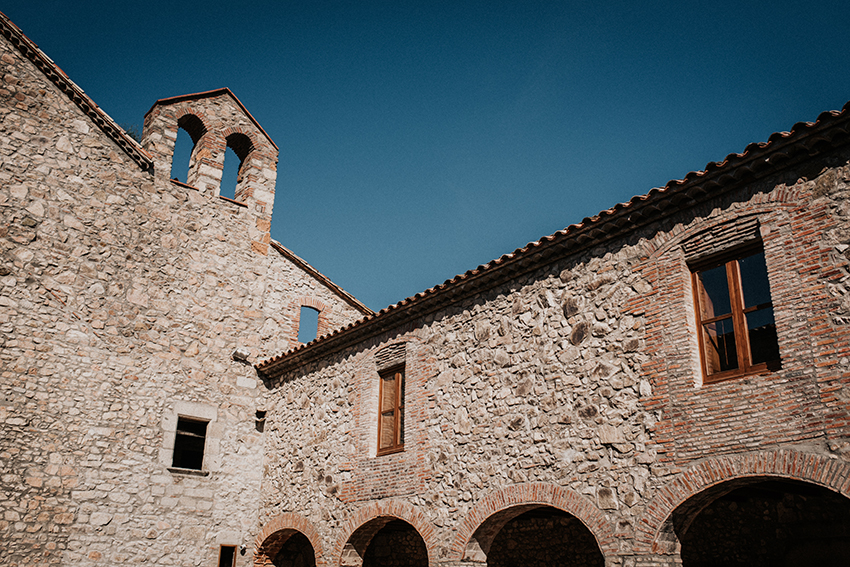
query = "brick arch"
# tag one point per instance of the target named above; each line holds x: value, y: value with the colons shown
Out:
x: 765, y: 203
x: 653, y: 529
x: 480, y: 526
x: 308, y: 301
x: 250, y: 134
x: 279, y: 529
x: 367, y: 521
x: 183, y: 117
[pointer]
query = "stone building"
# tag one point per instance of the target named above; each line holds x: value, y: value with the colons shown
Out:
x: 664, y: 383
x: 129, y: 305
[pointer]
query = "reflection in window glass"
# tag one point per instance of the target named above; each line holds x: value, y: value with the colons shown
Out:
x: 761, y: 328
x: 754, y: 280
x: 722, y: 353
x: 714, y: 292
x: 738, y: 332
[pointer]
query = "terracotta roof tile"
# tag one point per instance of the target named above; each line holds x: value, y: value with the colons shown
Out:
x: 832, y: 128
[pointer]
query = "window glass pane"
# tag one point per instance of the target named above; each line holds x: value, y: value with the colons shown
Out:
x: 388, y: 384
x: 720, y: 350
x: 387, y: 430
x: 754, y: 280
x: 713, y: 290
x: 764, y: 346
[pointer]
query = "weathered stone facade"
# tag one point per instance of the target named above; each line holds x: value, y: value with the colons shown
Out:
x: 555, y: 409
x: 122, y: 299
x: 566, y: 378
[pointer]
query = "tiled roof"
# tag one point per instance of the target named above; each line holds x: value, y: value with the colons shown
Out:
x: 58, y: 77
x: 210, y: 94
x: 781, y: 150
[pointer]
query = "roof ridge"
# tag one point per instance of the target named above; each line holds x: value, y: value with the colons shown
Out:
x: 304, y: 265
x: 212, y: 93
x: 58, y: 77
x: 759, y: 158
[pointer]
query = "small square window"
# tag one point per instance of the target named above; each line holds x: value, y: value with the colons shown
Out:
x: 737, y: 332
x: 189, y: 444
x: 391, y: 412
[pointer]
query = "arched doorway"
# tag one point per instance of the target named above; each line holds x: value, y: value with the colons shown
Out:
x: 385, y: 542
x: 296, y: 551
x: 543, y: 536
x: 279, y: 545
x: 397, y: 544
x: 762, y: 521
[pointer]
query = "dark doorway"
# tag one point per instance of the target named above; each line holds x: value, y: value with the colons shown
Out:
x: 543, y: 537
x: 775, y: 523
x: 295, y: 552
x: 397, y: 544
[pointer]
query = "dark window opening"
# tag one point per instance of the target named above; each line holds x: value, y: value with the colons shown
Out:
x: 737, y: 332
x: 189, y: 444
x: 308, y: 324
x: 227, y: 556
x: 391, y: 412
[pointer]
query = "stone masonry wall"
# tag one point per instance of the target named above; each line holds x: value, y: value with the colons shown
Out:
x: 580, y: 384
x: 216, y: 121
x: 122, y: 298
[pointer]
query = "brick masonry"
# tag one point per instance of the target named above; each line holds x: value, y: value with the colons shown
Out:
x: 582, y: 379
x: 566, y: 394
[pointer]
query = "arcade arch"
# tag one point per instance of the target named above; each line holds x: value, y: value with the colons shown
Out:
x: 288, y: 541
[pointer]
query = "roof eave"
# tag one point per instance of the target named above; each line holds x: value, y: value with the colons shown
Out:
x: 782, y: 150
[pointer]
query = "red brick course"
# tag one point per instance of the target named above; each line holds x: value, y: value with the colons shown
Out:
x: 275, y: 533
x: 783, y: 463
x: 519, y: 496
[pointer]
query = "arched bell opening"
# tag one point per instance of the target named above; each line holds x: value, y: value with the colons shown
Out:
x: 235, y: 174
x: 190, y: 129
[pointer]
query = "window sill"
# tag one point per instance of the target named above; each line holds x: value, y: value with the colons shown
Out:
x: 392, y: 451
x: 187, y: 472
x: 762, y: 369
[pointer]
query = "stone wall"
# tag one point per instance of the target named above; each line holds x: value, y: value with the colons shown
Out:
x: 571, y: 389
x: 122, y: 298
x: 579, y: 386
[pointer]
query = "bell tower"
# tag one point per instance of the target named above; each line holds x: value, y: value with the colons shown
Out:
x: 216, y: 120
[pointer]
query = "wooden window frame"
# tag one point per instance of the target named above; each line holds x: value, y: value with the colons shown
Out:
x: 397, y: 410
x: 730, y: 258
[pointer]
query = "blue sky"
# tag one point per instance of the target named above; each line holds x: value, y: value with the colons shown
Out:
x: 421, y: 139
